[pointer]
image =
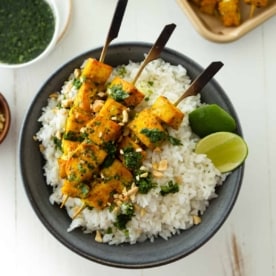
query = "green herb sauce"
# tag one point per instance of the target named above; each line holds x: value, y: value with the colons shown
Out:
x: 117, y: 93
x: 26, y: 28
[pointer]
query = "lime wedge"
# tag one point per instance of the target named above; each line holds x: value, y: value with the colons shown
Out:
x: 211, y: 118
x: 225, y: 149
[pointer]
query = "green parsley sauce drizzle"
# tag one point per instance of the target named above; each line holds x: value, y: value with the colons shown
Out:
x: 26, y: 29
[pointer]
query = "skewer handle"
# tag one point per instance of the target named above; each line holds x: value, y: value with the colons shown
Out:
x: 115, y: 26
x: 157, y: 48
x: 201, y: 81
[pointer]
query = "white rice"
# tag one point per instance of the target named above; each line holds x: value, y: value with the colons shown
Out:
x: 155, y: 215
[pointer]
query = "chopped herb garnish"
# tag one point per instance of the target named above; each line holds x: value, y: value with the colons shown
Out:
x: 57, y: 143
x: 155, y: 135
x: 126, y: 213
x: 117, y: 93
x: 110, y: 148
x: 169, y: 188
x: 77, y: 83
x: 174, y: 141
x: 73, y: 136
x: 122, y: 71
x: 144, y: 184
x: 84, y: 189
x: 131, y: 158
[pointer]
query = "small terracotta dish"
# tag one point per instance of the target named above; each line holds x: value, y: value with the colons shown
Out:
x: 4, y: 113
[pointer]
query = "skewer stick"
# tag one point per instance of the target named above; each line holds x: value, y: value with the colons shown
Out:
x: 115, y: 26
x: 64, y: 200
x: 201, y: 80
x: 156, y: 49
x: 83, y: 206
x: 252, y: 10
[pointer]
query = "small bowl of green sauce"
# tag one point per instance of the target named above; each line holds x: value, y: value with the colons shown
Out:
x: 28, y: 31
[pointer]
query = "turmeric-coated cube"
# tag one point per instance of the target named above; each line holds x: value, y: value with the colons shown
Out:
x: 86, y: 95
x: 96, y: 71
x: 84, y: 162
x: 77, y: 118
x: 101, y: 194
x: 114, y: 179
x: 101, y: 130
x: 68, y: 147
x: 114, y: 110
x: 72, y: 189
x: 167, y: 112
x: 230, y: 13
x: 148, y: 129
x: 123, y: 91
x: 118, y: 172
x: 208, y: 6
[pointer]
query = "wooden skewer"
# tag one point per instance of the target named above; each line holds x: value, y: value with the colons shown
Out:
x: 83, y: 206
x: 252, y: 10
x: 115, y: 26
x: 112, y: 34
x: 201, y: 81
x: 64, y: 200
x: 156, y: 49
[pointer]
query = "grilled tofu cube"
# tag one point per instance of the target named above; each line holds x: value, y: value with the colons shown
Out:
x: 61, y: 167
x: 167, y: 112
x: 101, y: 130
x: 148, y: 129
x: 68, y: 147
x: 101, y: 194
x: 96, y: 71
x: 208, y: 6
x: 72, y: 189
x: 125, y: 92
x: 77, y: 118
x: 230, y: 13
x: 86, y: 95
x: 84, y: 162
x: 114, y: 179
x: 119, y: 172
x: 114, y: 111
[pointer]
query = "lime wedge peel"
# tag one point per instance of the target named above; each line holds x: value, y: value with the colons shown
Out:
x: 211, y: 118
x: 226, y: 150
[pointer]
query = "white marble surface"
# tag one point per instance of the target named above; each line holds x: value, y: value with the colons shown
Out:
x: 248, y: 77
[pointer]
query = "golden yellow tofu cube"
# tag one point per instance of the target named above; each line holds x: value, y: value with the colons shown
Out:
x: 72, y: 189
x: 77, y: 118
x: 84, y: 162
x: 208, y: 6
x: 148, y: 129
x: 118, y: 172
x: 167, y: 112
x: 101, y: 130
x: 114, y: 179
x: 123, y: 91
x: 68, y: 147
x: 101, y: 194
x: 114, y: 110
x: 230, y: 12
x: 86, y: 95
x: 96, y: 71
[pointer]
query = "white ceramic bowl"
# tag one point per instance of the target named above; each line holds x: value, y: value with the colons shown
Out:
x: 50, y: 46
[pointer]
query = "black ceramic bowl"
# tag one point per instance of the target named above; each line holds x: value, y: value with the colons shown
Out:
x: 140, y: 255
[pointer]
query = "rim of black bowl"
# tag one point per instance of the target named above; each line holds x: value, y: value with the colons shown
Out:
x: 56, y: 220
